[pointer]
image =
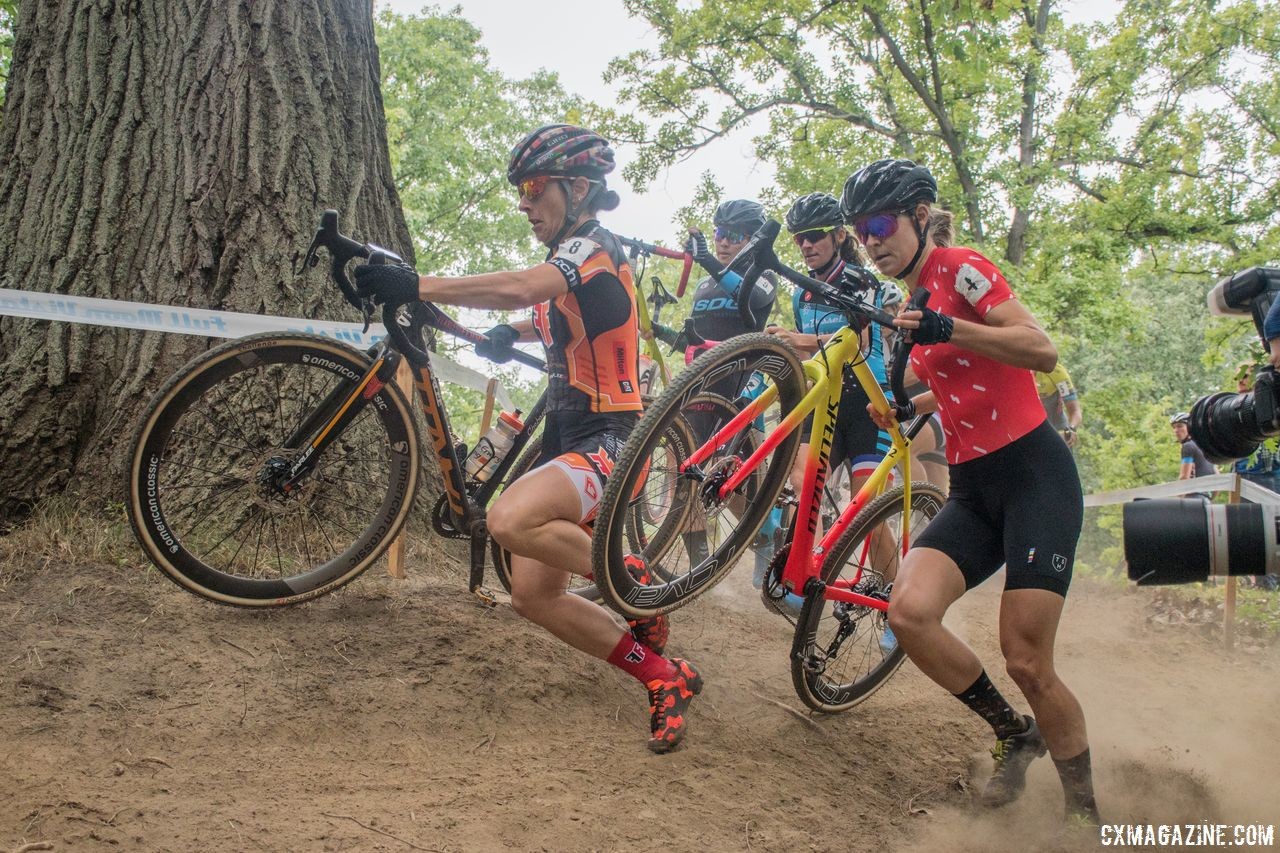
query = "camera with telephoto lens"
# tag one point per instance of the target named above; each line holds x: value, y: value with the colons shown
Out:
x: 1231, y: 426
x: 1183, y: 541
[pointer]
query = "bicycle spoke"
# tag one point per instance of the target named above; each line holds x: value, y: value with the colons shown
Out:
x: 218, y: 493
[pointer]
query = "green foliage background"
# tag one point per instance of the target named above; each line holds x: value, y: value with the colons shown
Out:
x: 8, y: 20
x: 1113, y: 170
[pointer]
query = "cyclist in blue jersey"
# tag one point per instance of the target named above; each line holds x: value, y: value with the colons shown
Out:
x: 817, y: 226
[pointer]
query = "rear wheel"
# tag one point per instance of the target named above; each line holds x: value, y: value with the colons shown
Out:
x: 714, y: 526
x: 212, y: 497
x: 841, y: 653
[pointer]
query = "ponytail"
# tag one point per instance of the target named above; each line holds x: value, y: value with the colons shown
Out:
x: 941, y: 226
x: 849, y: 251
x: 603, y: 198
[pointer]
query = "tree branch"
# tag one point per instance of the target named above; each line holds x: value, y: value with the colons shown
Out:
x: 949, y: 135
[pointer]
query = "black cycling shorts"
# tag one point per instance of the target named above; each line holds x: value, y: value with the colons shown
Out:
x: 585, y: 447
x: 1020, y: 506
x: 856, y: 439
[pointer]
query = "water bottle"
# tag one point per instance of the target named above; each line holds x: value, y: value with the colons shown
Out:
x: 494, y: 446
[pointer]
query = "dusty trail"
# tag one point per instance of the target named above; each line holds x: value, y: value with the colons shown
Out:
x: 401, y: 715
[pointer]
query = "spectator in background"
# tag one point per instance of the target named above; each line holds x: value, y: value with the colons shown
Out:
x: 1061, y: 403
x: 1271, y: 332
x: 1261, y: 467
x: 1193, y: 462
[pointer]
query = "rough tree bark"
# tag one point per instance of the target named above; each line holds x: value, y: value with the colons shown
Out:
x: 174, y: 152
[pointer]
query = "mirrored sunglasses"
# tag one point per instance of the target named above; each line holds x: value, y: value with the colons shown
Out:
x: 730, y: 235
x: 532, y: 188
x: 882, y: 226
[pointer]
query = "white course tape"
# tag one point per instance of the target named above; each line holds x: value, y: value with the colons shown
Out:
x: 1217, y: 483
x: 217, y: 324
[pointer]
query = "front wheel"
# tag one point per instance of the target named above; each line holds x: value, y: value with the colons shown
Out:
x: 216, y: 494
x: 713, y: 525
x: 842, y: 653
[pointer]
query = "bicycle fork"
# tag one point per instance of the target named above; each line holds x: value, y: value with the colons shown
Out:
x: 326, y: 423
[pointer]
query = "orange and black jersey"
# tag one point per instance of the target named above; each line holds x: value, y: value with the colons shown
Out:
x: 591, y: 333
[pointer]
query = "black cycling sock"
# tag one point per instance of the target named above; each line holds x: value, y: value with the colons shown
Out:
x: 985, y: 700
x: 1077, y: 785
x: 695, y: 545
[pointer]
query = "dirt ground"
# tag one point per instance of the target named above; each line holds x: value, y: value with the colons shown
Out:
x: 402, y: 715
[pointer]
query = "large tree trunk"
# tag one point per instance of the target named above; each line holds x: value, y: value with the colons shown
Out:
x: 175, y: 152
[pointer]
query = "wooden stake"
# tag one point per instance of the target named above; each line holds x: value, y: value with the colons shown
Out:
x: 1229, y: 608
x: 490, y: 394
x: 395, y: 554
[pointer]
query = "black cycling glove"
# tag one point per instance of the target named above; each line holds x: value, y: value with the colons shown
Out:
x: 934, y: 328
x: 667, y: 335
x: 498, y: 344
x: 387, y: 284
x: 905, y: 411
x: 697, y: 247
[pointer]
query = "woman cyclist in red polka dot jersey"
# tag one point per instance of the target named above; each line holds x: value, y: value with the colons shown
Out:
x: 1015, y: 495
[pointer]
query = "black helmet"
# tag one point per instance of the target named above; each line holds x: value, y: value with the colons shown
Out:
x: 815, y: 210
x: 891, y: 185
x: 740, y: 215
x: 562, y: 150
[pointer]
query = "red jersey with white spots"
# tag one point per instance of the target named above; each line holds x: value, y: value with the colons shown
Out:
x: 984, y: 404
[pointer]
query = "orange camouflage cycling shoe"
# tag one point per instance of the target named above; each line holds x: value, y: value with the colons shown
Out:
x: 652, y: 631
x: 669, y: 701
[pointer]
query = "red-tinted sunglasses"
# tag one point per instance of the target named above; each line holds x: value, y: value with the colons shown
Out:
x: 882, y: 226
x: 811, y: 236
x: 532, y: 188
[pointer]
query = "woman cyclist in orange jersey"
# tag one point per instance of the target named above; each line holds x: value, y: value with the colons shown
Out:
x: 584, y: 312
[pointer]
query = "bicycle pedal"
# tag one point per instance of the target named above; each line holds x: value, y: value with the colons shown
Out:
x: 490, y: 598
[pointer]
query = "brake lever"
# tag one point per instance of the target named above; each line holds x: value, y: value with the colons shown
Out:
x: 377, y: 257
x: 311, y: 258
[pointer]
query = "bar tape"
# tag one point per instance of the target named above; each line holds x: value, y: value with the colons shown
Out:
x: 218, y: 324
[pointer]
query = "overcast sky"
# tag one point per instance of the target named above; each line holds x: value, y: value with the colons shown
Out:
x: 522, y: 38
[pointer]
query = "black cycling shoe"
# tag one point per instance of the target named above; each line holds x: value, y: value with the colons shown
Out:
x: 1013, y: 754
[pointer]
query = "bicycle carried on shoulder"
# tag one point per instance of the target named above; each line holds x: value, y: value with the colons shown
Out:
x: 278, y: 467
x: 837, y: 657
x: 654, y: 373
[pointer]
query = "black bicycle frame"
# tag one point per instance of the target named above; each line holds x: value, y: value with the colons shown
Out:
x: 404, y: 334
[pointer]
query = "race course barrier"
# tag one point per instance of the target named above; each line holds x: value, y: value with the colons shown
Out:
x: 1238, y: 487
x: 1233, y: 483
x: 217, y: 324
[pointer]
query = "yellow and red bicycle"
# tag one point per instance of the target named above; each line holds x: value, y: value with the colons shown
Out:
x: 732, y: 481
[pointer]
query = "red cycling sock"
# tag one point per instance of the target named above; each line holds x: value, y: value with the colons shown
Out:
x: 640, y: 662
